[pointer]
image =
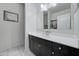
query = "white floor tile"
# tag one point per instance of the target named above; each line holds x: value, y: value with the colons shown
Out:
x: 19, y: 51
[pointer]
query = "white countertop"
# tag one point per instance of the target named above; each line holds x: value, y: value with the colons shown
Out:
x: 69, y: 41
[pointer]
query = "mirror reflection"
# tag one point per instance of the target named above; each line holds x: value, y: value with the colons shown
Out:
x: 57, y: 16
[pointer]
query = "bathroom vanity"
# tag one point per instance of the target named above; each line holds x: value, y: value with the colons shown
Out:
x: 63, y: 18
x: 45, y: 47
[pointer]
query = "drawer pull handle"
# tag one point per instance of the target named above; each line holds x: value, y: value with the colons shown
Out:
x: 52, y: 52
x: 59, y: 48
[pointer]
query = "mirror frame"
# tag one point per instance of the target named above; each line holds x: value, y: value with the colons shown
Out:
x: 71, y: 30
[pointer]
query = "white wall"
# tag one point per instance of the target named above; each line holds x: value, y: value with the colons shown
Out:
x: 31, y: 18
x: 11, y: 33
x: 76, y: 22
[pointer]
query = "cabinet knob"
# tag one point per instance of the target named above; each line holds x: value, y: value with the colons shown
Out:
x: 52, y: 52
x: 59, y: 48
x: 39, y: 45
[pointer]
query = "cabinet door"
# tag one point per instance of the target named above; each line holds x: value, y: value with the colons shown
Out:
x: 33, y: 45
x: 59, y: 49
x: 44, y: 50
x: 44, y: 47
x: 36, y: 48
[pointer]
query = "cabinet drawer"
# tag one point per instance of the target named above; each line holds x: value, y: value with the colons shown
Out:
x: 55, y: 53
x: 59, y: 53
x: 59, y: 49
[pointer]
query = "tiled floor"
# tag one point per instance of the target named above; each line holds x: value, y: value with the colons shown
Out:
x: 19, y: 51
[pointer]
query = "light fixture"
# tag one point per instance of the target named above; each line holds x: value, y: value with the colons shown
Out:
x: 43, y: 7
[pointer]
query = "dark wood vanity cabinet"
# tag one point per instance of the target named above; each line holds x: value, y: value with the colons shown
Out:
x: 42, y: 47
x: 38, y: 46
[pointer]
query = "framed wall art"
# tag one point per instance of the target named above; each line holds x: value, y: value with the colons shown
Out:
x: 10, y: 16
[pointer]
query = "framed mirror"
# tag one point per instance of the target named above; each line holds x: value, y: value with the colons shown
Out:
x: 57, y: 16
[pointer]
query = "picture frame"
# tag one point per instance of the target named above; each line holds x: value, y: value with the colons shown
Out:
x: 53, y: 24
x: 10, y: 16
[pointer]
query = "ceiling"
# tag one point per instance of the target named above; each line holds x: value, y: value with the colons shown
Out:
x: 60, y: 7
